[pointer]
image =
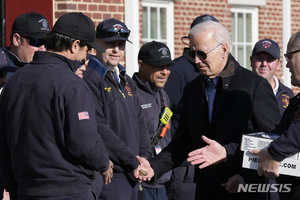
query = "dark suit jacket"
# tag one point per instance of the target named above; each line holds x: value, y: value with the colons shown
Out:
x: 244, y: 103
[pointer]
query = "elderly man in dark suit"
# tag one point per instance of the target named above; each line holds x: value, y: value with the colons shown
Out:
x: 224, y: 102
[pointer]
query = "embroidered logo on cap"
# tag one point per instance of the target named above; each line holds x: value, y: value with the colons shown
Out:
x: 118, y: 26
x: 164, y: 52
x: 266, y: 44
x: 45, y: 24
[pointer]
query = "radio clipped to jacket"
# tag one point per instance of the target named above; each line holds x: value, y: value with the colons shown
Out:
x: 163, y: 126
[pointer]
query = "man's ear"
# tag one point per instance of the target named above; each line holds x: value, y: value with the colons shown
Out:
x: 141, y: 65
x: 75, y: 46
x: 16, y: 39
x: 225, y: 48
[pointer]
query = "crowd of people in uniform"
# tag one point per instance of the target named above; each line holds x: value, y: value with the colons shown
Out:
x: 74, y: 125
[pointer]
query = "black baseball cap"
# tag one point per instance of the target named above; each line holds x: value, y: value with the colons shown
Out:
x: 155, y: 53
x: 112, y: 24
x: 267, y: 45
x: 31, y: 24
x: 78, y: 26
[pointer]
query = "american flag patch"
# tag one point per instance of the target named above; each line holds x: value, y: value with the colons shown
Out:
x: 83, y: 115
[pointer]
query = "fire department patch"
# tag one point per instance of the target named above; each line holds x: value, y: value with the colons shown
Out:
x: 118, y: 26
x: 129, y: 92
x: 266, y: 44
x: 285, y: 100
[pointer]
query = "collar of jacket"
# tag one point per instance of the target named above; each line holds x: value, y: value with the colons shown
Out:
x: 12, y: 59
x: 55, y: 58
x: 101, y: 70
x: 229, y: 67
x: 143, y: 86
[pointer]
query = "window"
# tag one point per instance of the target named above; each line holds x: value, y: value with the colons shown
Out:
x: 244, y: 33
x: 158, y: 22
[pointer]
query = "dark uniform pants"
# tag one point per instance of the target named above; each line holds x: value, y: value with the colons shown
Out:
x: 84, y: 196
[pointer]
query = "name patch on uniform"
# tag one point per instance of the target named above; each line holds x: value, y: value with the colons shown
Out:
x: 148, y: 105
x: 83, y: 115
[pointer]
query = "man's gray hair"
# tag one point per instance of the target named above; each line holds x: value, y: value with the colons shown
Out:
x: 217, y: 31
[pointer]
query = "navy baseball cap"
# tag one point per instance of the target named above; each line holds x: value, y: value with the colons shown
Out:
x: 78, y: 26
x: 31, y: 24
x: 155, y: 53
x: 111, y: 30
x: 203, y: 18
x: 198, y: 20
x: 267, y: 45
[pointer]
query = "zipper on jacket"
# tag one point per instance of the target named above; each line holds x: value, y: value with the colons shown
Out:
x: 117, y: 85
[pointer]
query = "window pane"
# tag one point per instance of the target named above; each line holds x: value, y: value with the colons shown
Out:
x: 233, y: 50
x: 153, y: 23
x: 248, y: 52
x: 145, y: 23
x: 163, y: 23
x: 248, y: 27
x: 240, y: 55
x: 240, y: 27
x: 233, y: 27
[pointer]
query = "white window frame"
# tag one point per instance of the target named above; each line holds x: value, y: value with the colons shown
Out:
x: 254, y: 13
x: 169, y: 6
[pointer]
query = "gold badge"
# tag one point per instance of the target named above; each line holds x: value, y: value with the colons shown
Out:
x: 108, y: 89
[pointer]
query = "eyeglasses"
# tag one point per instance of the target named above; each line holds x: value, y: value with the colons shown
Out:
x: 114, y: 32
x: 201, y: 54
x: 290, y: 53
x: 34, y: 41
x: 2, y: 74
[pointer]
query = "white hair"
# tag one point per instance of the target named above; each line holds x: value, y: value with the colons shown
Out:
x: 218, y: 32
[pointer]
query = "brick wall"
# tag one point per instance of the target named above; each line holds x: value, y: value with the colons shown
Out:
x: 98, y: 10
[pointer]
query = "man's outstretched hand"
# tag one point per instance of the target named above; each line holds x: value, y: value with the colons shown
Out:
x: 144, y: 171
x: 212, y: 153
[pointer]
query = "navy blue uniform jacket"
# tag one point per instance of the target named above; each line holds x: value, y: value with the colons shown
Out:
x: 151, y: 110
x: 119, y: 119
x: 244, y: 103
x: 49, y: 145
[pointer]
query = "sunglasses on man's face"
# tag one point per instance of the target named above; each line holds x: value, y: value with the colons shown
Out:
x: 201, y: 54
x: 110, y: 32
x: 34, y: 41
